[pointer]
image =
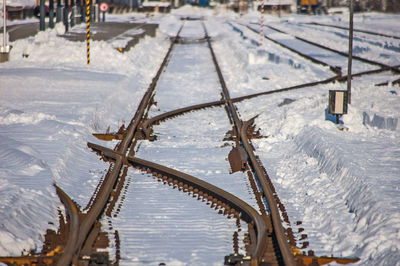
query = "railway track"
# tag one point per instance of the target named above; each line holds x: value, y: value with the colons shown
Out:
x: 259, y: 248
x: 241, y: 133
x: 335, y: 69
x: 316, y: 44
x: 84, y: 229
x: 379, y: 67
x: 355, y: 30
x: 122, y: 148
x: 268, y: 240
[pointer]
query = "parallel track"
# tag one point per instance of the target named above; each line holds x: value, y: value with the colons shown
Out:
x: 334, y: 69
x: 382, y: 67
x: 355, y: 30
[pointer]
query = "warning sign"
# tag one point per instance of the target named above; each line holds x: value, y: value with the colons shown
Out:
x: 103, y: 7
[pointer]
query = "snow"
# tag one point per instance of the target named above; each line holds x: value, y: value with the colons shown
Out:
x: 19, y: 2
x: 343, y: 185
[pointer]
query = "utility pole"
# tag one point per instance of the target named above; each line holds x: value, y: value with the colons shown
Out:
x: 4, y: 27
x: 350, y: 52
x: 4, y: 49
x: 261, y: 23
x: 72, y: 13
x: 42, y: 24
x: 51, y: 13
x: 59, y: 11
x: 65, y: 16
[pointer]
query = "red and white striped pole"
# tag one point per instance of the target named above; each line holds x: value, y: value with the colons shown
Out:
x: 262, y: 23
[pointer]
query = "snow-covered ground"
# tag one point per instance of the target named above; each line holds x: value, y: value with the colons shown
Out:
x: 343, y: 185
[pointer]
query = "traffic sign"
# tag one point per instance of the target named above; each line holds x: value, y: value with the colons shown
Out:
x: 103, y: 7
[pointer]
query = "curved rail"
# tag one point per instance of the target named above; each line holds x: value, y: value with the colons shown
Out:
x: 234, y: 205
x: 147, y: 124
x: 214, y: 194
x: 142, y: 106
x: 113, y: 174
x: 68, y: 253
x: 287, y: 256
x: 268, y: 193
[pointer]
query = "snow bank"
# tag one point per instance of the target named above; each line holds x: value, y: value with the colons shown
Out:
x: 25, y: 186
x: 376, y: 220
x: 51, y: 102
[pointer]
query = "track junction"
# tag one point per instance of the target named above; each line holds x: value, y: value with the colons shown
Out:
x: 264, y: 240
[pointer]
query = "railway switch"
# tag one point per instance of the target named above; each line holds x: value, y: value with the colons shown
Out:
x: 238, y: 159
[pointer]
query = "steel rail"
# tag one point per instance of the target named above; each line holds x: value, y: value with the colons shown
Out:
x: 73, y: 214
x: 112, y: 176
x: 310, y: 84
x: 142, y: 106
x: 357, y: 30
x: 268, y: 193
x: 383, y: 67
x: 331, y: 49
x: 147, y: 124
x: 247, y: 213
x: 334, y: 69
x: 296, y: 87
x: 225, y: 91
x: 278, y: 231
x: 370, y: 72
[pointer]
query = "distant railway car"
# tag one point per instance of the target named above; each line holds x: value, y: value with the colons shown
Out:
x: 307, y: 6
x: 275, y: 5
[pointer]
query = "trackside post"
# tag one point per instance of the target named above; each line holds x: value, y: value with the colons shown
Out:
x: 350, y: 51
x: 42, y: 16
x: 51, y: 14
x: 261, y: 22
x: 72, y: 19
x: 4, y: 49
x: 59, y: 11
x: 88, y: 8
x: 65, y: 15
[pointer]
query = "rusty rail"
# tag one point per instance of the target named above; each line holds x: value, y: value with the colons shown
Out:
x: 73, y: 214
x: 332, y: 50
x: 278, y: 231
x: 208, y: 191
x: 113, y: 174
x: 257, y: 226
x: 219, y: 196
x: 147, y: 124
x: 334, y: 69
x: 268, y: 194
